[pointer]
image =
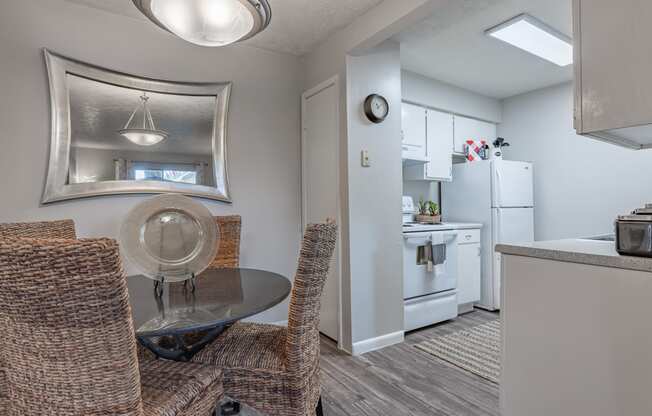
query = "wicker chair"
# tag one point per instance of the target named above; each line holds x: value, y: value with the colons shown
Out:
x: 228, y: 255
x: 57, y: 229
x: 276, y: 369
x: 42, y: 229
x: 66, y: 321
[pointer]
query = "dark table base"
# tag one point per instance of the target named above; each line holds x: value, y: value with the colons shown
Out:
x: 180, y: 347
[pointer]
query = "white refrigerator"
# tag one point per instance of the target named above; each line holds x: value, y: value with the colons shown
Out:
x: 498, y: 194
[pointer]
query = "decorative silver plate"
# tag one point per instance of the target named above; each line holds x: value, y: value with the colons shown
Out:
x: 170, y: 237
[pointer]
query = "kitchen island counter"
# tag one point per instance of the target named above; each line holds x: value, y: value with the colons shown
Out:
x: 582, y: 251
x: 576, y: 333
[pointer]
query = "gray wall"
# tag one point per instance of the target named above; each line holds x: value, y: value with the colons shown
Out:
x: 421, y: 189
x: 325, y: 61
x: 439, y: 95
x: 580, y: 184
x: 263, y: 133
x: 375, y: 196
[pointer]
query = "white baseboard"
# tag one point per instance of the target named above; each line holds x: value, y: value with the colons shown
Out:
x: 280, y: 323
x: 372, y: 344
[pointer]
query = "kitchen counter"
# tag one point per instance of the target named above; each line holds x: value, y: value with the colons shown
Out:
x: 441, y: 227
x: 575, y: 329
x: 582, y: 251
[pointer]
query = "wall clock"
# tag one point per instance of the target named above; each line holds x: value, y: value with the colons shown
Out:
x: 376, y: 108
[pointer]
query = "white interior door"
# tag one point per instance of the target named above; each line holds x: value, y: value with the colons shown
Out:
x: 320, y: 184
x: 513, y: 184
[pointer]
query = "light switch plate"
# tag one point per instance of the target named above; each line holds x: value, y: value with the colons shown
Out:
x: 364, y: 159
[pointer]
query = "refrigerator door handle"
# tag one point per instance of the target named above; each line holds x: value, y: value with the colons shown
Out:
x: 497, y: 228
x: 498, y: 187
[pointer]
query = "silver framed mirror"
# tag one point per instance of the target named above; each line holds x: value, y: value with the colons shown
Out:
x: 115, y: 133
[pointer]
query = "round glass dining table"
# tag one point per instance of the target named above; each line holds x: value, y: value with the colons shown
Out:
x: 184, y: 317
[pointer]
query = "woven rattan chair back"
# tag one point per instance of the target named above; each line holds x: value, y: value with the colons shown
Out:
x: 68, y: 337
x: 228, y: 254
x: 42, y: 229
x: 302, y: 343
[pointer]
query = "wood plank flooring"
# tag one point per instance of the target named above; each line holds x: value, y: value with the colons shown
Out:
x: 403, y: 380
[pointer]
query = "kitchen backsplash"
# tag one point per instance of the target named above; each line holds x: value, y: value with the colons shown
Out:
x: 421, y: 189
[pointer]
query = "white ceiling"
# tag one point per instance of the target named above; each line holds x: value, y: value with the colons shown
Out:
x: 297, y: 25
x: 451, y: 46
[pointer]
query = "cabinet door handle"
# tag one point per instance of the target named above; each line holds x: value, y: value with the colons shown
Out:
x: 479, y: 251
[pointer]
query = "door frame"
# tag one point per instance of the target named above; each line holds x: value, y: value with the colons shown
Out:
x: 335, y: 83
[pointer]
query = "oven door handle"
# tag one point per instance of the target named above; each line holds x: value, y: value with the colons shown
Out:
x: 420, y: 240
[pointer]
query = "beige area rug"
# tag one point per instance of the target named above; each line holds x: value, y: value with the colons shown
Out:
x: 475, y: 349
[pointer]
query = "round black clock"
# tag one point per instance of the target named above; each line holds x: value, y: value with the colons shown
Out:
x: 376, y: 108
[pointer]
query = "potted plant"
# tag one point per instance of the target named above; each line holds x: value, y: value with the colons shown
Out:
x: 428, y: 212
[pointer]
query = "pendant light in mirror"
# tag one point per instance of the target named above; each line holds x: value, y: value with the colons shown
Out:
x: 147, y: 135
x: 208, y: 22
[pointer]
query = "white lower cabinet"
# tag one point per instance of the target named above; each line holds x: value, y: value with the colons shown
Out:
x: 469, y: 255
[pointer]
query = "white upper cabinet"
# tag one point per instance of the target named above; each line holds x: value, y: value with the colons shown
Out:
x: 439, y: 146
x: 468, y: 128
x: 413, y: 119
x: 438, y: 137
x: 613, y: 70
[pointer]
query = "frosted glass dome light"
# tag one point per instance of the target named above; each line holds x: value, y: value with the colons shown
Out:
x: 208, y: 22
x: 143, y: 137
x: 147, y: 134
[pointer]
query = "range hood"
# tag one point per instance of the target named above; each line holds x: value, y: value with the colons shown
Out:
x: 413, y: 160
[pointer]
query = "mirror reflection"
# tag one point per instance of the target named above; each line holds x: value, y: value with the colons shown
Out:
x: 125, y: 134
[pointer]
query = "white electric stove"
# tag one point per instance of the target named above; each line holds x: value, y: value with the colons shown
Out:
x: 429, y: 270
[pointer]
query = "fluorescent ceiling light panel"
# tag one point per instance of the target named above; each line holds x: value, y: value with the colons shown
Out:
x: 533, y: 36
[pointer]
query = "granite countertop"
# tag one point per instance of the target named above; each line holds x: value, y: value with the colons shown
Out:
x: 584, y: 251
x: 442, y: 227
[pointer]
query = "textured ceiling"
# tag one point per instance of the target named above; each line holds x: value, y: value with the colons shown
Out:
x: 297, y: 25
x: 99, y: 110
x: 451, y: 46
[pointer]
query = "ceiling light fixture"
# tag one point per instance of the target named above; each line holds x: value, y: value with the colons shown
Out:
x: 148, y: 135
x: 533, y: 36
x: 209, y: 22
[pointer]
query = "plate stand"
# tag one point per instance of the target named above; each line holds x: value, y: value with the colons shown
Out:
x: 184, y: 345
